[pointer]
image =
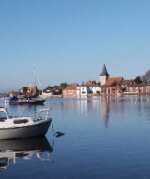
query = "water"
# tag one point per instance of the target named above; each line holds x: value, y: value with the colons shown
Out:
x: 106, y: 138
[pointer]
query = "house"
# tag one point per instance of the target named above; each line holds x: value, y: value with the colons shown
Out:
x: 47, y: 92
x: 56, y: 91
x: 70, y: 91
x: 137, y: 89
x: 93, y: 88
x: 75, y: 91
x: 82, y: 91
x: 30, y: 91
x: 96, y: 90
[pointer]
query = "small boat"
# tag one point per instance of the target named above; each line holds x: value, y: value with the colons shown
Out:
x: 23, y: 127
x: 24, y: 100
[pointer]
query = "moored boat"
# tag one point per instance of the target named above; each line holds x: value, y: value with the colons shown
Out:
x: 23, y: 127
x: 24, y: 100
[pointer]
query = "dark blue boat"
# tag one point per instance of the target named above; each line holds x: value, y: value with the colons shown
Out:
x: 24, y: 100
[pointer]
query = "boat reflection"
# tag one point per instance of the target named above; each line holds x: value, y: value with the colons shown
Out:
x: 25, y: 149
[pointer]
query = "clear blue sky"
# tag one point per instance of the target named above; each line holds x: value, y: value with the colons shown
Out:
x: 69, y: 40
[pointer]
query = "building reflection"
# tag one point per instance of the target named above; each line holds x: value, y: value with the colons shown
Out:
x: 82, y: 106
x: 109, y: 105
x: 12, y: 150
x: 105, y: 109
x: 121, y: 106
x: 79, y: 105
x: 105, y: 106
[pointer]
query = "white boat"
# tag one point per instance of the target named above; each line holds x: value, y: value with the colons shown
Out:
x: 23, y: 127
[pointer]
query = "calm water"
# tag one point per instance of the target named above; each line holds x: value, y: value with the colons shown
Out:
x: 106, y: 138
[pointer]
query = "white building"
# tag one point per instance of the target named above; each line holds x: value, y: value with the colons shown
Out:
x: 82, y: 91
x: 95, y: 90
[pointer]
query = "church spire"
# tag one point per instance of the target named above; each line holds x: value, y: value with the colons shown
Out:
x: 104, y: 71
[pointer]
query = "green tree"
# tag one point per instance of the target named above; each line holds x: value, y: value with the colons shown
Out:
x: 63, y: 85
x: 138, y: 80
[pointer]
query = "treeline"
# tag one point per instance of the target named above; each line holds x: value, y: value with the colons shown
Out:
x: 143, y: 79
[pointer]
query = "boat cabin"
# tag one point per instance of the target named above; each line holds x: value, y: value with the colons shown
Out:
x: 3, y: 114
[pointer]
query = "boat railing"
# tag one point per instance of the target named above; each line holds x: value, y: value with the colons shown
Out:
x: 3, y: 113
x: 43, y: 114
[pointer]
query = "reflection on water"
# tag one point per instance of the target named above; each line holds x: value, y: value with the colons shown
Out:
x: 105, y: 106
x: 105, y: 110
x: 25, y: 149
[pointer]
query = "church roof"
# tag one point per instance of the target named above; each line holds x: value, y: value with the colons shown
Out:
x: 104, y: 71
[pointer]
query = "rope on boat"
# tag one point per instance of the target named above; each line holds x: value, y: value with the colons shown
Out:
x: 55, y: 133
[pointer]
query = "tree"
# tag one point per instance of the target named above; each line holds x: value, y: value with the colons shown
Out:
x: 63, y: 85
x: 146, y: 77
x: 138, y: 80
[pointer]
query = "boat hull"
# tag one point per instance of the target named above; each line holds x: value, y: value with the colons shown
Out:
x: 36, y: 130
x: 30, y: 102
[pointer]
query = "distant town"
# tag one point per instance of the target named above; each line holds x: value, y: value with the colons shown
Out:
x: 106, y: 86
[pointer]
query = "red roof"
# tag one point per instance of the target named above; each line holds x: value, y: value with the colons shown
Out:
x: 113, y: 81
x: 70, y: 88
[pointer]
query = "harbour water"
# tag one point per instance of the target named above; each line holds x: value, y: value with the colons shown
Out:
x: 106, y: 138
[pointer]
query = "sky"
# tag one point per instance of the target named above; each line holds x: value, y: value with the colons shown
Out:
x: 70, y: 40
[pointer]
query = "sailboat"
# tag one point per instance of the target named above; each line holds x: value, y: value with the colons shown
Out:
x: 29, y: 95
x: 21, y: 100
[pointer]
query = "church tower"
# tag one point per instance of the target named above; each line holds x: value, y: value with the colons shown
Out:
x: 104, y: 75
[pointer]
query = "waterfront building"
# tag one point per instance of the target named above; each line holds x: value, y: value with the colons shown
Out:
x: 116, y: 86
x: 70, y: 91
x: 82, y: 91
x: 95, y: 90
x: 75, y: 91
x: 137, y: 89
x: 107, y: 86
x: 30, y: 91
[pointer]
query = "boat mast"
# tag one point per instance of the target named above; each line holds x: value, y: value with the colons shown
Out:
x: 36, y: 79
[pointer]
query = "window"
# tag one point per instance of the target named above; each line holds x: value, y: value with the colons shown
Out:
x: 20, y: 121
x: 3, y: 116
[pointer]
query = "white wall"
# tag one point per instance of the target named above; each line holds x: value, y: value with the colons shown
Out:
x: 81, y: 91
x: 103, y: 80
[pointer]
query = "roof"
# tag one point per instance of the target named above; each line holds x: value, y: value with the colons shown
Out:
x: 70, y: 88
x: 104, y: 71
x: 91, y: 83
x: 113, y: 81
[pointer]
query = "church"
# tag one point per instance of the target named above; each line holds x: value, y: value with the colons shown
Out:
x: 110, y: 85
